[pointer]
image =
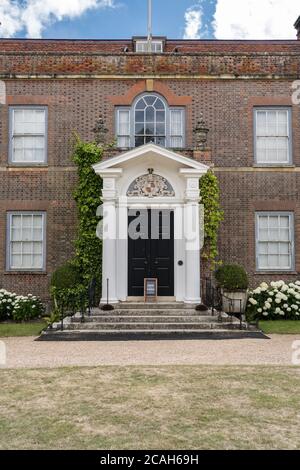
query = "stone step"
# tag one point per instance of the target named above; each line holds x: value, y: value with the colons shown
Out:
x: 152, y: 305
x: 147, y: 319
x: 150, y: 312
x: 152, y: 335
x: 152, y: 326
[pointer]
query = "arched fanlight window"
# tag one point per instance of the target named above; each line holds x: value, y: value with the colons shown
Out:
x: 150, y: 119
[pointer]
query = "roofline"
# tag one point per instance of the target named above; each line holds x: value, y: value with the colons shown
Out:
x: 183, y: 41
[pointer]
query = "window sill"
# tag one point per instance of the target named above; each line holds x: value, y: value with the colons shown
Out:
x: 16, y: 272
x: 275, y: 273
x: 271, y: 165
x: 27, y: 165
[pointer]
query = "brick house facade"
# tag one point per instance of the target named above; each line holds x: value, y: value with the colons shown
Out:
x: 79, y: 81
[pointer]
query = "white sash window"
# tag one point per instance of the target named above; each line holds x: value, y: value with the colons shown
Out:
x: 26, y: 241
x: 28, y: 135
x: 150, y: 120
x: 273, y: 136
x: 275, y: 241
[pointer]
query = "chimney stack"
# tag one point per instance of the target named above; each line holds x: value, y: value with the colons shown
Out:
x: 297, y: 26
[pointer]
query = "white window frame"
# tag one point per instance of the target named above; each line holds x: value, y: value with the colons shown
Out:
x: 9, y: 242
x: 291, y: 241
x: 168, y: 110
x: 157, y: 46
x: 288, y: 109
x: 12, y: 109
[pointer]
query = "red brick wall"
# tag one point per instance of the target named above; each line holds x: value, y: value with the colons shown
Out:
x: 75, y: 104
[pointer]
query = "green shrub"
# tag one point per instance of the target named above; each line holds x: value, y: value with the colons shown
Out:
x: 232, y: 277
x: 66, y: 277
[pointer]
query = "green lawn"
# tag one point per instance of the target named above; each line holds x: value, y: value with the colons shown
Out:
x: 21, y: 329
x: 282, y: 327
x: 175, y: 407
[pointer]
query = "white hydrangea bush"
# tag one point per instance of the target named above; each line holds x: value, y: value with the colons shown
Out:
x: 275, y: 301
x: 19, y: 307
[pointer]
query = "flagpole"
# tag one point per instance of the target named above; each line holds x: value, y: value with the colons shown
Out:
x: 149, y: 25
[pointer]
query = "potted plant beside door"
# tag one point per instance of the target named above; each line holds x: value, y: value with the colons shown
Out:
x: 233, y: 281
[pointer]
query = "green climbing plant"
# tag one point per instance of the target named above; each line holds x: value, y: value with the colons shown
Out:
x: 88, y: 247
x: 213, y: 215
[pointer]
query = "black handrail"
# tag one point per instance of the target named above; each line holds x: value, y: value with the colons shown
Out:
x: 213, y: 298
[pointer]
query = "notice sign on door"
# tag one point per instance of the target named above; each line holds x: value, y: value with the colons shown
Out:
x: 150, y: 289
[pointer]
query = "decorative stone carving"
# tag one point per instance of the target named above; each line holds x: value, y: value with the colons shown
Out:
x: 150, y: 185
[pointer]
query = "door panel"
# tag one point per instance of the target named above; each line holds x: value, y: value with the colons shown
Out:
x: 152, y: 257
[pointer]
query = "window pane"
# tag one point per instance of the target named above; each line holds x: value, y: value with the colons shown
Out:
x: 176, y: 123
x: 176, y: 142
x: 124, y: 142
x: 159, y: 105
x: 150, y: 114
x: 263, y: 262
x: 141, y: 105
x: 37, y: 248
x: 284, y: 262
x: 160, y: 129
x: 139, y: 141
x: 149, y: 128
x: 282, y: 123
x: 139, y: 116
x: 37, y: 261
x: 284, y: 248
x: 272, y: 123
x: 284, y: 221
x: 16, y: 261
x: 124, y: 122
x: 160, y: 116
x: 150, y: 99
x: 26, y: 261
x: 139, y: 129
x: 273, y: 261
x: 37, y: 234
x: 161, y: 141
x: 16, y: 248
x: 26, y: 248
x: 261, y: 123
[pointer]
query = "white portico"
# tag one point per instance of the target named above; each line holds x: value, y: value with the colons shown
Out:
x: 159, y: 181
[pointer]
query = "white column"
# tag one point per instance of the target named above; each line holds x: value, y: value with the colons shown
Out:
x: 192, y: 241
x: 109, y: 257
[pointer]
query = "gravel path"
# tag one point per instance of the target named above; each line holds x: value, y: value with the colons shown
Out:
x: 27, y: 353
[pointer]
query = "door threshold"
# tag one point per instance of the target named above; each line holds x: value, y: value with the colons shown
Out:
x: 159, y: 299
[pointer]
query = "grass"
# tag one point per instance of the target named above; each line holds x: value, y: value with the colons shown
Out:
x: 175, y: 407
x: 21, y: 329
x: 281, y: 327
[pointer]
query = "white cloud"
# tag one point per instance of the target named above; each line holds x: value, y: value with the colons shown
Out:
x: 193, y: 22
x: 256, y: 19
x: 35, y: 15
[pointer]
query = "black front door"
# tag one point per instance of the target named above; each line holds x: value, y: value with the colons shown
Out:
x: 151, y: 251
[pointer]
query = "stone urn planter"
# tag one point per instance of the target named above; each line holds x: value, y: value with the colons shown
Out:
x: 235, y: 301
x: 233, y: 281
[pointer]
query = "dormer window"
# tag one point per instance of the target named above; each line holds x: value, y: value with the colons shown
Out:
x: 150, y: 120
x: 142, y: 46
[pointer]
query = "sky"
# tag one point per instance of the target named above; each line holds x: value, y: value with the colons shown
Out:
x: 117, y: 19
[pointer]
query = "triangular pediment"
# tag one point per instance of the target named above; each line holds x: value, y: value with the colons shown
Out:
x: 146, y: 151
